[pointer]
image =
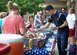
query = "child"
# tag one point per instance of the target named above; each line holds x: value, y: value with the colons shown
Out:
x: 2, y: 15
x: 30, y: 25
x: 72, y: 47
x: 71, y: 20
x: 31, y: 21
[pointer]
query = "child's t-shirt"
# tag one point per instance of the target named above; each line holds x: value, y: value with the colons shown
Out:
x: 71, y: 20
x: 72, y: 48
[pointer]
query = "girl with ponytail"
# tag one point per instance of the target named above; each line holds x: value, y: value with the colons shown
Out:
x: 13, y: 23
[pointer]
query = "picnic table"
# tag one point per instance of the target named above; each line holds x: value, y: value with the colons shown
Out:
x: 47, y: 43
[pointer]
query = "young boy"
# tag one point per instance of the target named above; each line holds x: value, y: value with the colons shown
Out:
x: 72, y: 47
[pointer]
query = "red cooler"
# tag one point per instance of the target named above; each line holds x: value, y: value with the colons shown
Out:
x: 15, y: 41
x: 4, y: 49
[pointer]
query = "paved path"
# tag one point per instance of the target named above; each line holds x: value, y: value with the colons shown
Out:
x: 56, y: 50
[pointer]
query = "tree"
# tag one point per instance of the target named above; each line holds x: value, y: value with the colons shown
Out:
x: 31, y: 6
x: 3, y: 5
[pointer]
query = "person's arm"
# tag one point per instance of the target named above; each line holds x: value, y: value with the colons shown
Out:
x: 35, y: 18
x: 63, y: 19
x: 22, y: 26
x: 45, y: 26
x: 40, y: 23
x: 75, y: 20
x: 32, y: 28
x: 64, y: 24
x: 50, y: 19
x: 68, y: 47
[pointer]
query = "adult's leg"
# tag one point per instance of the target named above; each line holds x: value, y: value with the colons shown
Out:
x: 59, y: 44
x: 64, y: 42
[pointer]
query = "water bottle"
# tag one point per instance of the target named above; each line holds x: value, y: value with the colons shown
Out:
x: 30, y: 43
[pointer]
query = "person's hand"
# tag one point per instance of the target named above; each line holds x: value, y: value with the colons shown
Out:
x: 54, y: 28
x: 24, y: 36
x: 35, y: 30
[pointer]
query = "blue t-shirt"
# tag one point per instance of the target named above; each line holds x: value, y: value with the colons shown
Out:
x: 35, y: 20
x: 1, y: 25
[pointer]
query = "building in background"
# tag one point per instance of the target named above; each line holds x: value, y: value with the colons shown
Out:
x: 59, y: 4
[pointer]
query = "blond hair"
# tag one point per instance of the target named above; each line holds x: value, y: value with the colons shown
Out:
x: 72, y: 10
x: 31, y: 16
x: 3, y: 14
x: 12, y: 6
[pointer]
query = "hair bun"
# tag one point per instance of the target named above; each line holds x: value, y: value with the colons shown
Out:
x: 10, y: 5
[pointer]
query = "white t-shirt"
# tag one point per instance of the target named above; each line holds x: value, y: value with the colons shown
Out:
x: 71, y: 20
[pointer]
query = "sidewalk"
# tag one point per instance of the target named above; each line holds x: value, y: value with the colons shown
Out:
x: 56, y: 50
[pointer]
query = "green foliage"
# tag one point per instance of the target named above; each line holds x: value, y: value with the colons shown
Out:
x: 3, y: 5
x: 24, y: 5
